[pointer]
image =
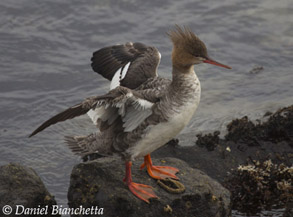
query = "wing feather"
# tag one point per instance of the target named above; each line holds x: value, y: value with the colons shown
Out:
x: 124, y: 102
x: 134, y: 118
x: 69, y: 113
x: 139, y: 61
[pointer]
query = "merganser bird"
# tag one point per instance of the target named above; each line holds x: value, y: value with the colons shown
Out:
x: 142, y: 111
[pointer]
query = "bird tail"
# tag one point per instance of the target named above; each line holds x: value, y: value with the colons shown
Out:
x: 83, y: 146
x: 77, y: 145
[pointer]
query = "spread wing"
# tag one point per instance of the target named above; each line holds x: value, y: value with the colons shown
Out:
x: 128, y: 65
x: 130, y: 105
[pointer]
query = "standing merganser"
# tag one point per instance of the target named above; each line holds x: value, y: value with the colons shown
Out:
x: 142, y: 111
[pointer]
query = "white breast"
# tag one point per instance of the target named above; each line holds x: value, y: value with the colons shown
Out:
x: 158, y: 135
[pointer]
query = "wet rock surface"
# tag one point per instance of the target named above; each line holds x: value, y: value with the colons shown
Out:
x: 99, y: 183
x: 20, y: 185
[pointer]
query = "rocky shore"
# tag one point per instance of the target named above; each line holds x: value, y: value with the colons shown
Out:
x: 237, y: 160
x: 253, y: 162
x: 225, y: 158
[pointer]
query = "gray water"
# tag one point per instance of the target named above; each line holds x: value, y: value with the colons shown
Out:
x: 45, y: 51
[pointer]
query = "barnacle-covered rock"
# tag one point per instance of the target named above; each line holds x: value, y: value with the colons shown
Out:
x: 261, y: 185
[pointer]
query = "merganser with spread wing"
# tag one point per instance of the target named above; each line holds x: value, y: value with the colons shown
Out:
x: 142, y: 111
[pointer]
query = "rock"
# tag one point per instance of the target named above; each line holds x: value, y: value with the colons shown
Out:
x: 289, y: 211
x: 278, y: 128
x: 243, y: 130
x: 216, y: 163
x: 256, y: 69
x: 261, y: 185
x: 209, y: 141
x: 99, y: 183
x: 20, y: 185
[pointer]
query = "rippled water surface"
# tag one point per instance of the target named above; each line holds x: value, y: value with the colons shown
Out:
x: 45, y: 51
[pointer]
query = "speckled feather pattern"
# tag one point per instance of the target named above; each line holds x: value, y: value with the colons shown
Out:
x: 145, y: 111
x: 170, y: 99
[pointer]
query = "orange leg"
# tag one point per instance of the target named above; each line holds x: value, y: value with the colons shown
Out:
x: 143, y: 192
x: 159, y: 172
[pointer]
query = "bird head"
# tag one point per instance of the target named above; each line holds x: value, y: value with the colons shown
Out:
x: 188, y: 49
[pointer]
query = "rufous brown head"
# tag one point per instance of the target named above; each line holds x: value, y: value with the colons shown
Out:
x: 189, y: 49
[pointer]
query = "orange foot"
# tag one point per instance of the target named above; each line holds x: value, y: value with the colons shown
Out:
x: 159, y: 172
x: 143, y: 192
